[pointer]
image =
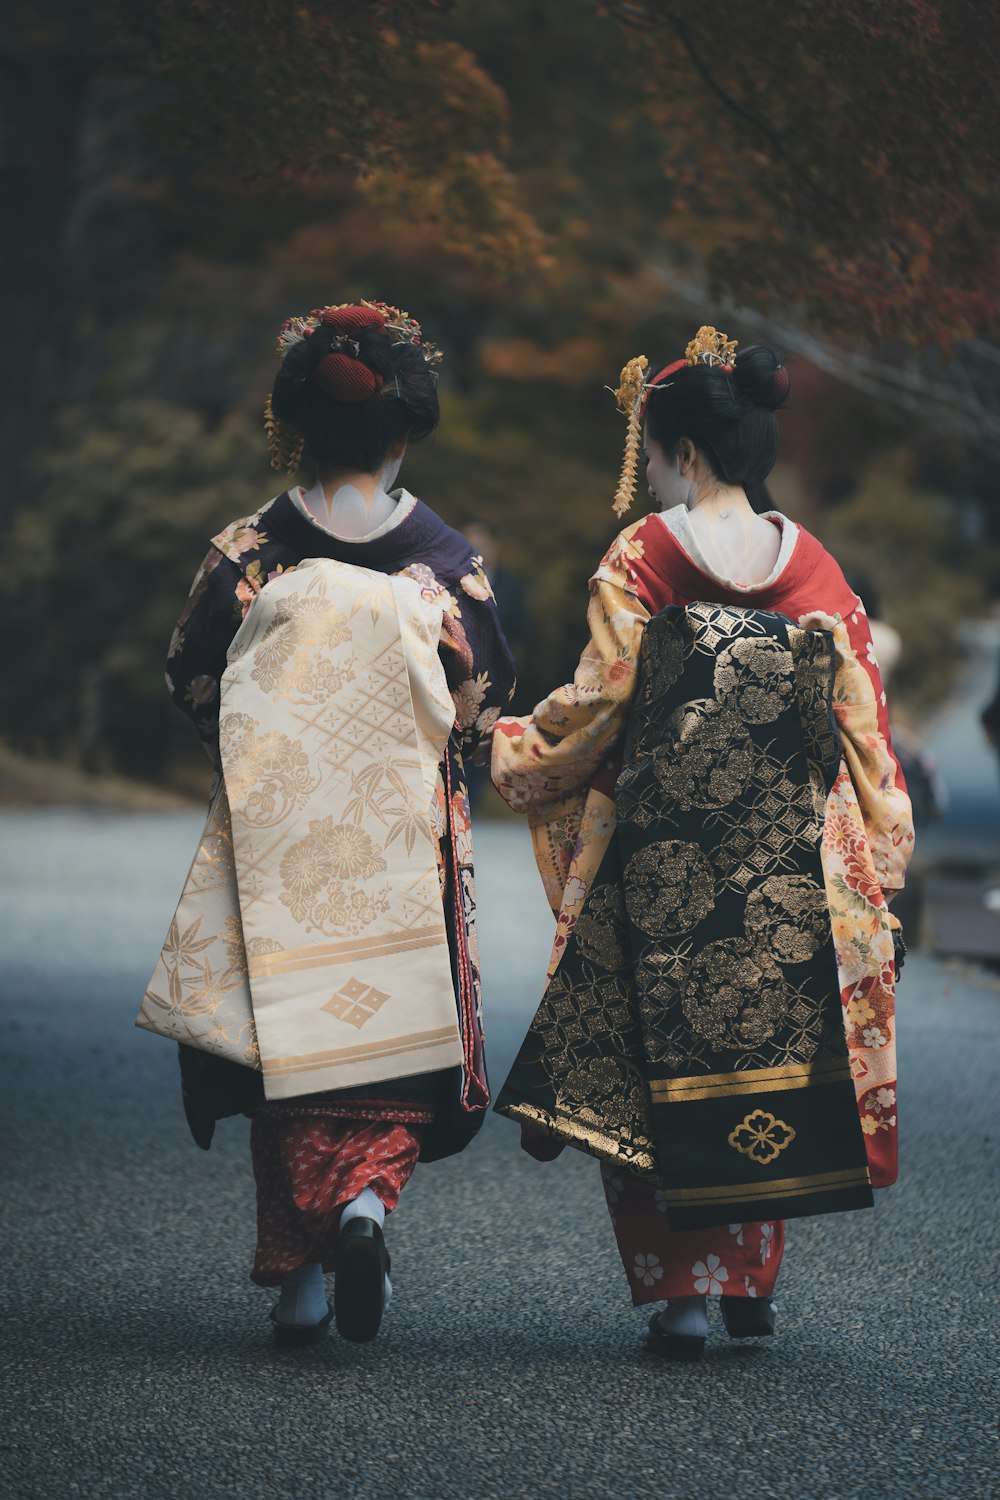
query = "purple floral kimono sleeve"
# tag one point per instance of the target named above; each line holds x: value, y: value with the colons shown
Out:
x: 484, y: 694
x: 477, y: 659
x: 196, y: 659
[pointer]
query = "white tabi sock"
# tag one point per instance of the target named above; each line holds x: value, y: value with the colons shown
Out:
x: 367, y: 1205
x: 686, y: 1316
x: 303, y: 1296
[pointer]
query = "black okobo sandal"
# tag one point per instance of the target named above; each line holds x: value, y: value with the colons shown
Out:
x: 747, y: 1317
x: 298, y: 1335
x: 359, y: 1285
x: 686, y: 1346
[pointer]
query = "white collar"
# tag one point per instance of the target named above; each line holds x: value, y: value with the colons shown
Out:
x: 676, y: 521
x: 304, y: 500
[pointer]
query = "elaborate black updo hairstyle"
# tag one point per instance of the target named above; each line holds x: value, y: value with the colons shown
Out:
x: 355, y: 392
x: 726, y: 411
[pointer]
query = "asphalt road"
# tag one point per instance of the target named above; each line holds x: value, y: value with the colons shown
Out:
x: 137, y: 1359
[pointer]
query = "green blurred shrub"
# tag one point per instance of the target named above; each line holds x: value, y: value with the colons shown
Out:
x: 98, y: 569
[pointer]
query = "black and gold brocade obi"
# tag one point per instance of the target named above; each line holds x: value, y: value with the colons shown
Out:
x: 693, y: 1032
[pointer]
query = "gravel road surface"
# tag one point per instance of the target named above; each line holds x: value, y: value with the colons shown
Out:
x: 137, y: 1357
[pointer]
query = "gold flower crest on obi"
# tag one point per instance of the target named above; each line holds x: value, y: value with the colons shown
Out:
x: 629, y: 396
x: 761, y: 1136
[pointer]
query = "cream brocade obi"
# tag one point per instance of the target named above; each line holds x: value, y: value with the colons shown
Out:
x: 310, y: 940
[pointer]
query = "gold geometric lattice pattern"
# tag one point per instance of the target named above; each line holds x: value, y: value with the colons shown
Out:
x: 355, y: 1002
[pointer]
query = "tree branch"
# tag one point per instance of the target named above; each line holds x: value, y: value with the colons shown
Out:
x: 730, y: 103
x: 961, y: 406
x: 742, y: 112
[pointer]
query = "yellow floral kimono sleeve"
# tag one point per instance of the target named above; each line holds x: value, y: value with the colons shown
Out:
x: 885, y: 807
x: 548, y: 757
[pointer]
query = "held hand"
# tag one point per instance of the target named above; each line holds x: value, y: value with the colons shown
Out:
x: 484, y: 750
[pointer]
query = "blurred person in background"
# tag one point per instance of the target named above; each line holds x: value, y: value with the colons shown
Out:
x: 356, y: 385
x: 991, y: 719
x: 720, y: 823
x: 991, y: 728
x: 508, y: 586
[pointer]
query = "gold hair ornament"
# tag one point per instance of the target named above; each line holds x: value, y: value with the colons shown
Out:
x: 284, y: 443
x: 631, y: 389
x: 710, y: 347
x: 406, y: 329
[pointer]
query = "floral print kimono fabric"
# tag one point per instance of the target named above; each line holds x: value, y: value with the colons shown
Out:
x: 560, y: 767
x: 735, y: 1260
x: 308, y: 1165
x: 315, y: 1153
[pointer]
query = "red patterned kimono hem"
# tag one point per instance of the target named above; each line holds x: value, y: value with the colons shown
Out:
x: 308, y: 1164
x: 735, y: 1260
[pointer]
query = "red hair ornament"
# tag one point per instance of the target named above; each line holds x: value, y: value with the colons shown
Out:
x: 346, y: 378
x: 351, y: 319
x: 343, y: 375
x: 658, y: 379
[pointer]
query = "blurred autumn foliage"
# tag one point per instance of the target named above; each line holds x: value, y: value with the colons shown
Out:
x: 551, y: 187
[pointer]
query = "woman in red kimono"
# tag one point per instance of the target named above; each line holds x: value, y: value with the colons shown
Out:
x: 709, y: 436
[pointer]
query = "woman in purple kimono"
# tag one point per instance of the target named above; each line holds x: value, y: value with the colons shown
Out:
x: 356, y: 385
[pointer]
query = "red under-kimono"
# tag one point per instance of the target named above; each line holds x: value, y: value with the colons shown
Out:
x: 560, y: 765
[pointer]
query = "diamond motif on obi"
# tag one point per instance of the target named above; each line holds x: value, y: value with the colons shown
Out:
x: 355, y: 1002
